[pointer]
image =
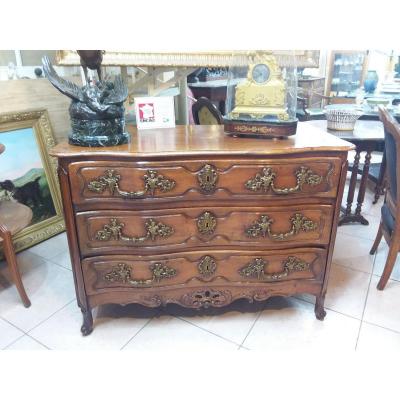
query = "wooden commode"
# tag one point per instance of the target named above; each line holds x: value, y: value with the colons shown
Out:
x: 191, y: 216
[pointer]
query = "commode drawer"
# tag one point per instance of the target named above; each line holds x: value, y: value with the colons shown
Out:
x: 102, y: 232
x: 101, y: 184
x: 115, y: 273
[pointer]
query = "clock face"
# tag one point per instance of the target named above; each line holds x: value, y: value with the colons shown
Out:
x: 260, y: 73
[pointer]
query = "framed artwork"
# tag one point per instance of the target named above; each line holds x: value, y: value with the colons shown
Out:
x: 28, y: 175
x: 304, y: 58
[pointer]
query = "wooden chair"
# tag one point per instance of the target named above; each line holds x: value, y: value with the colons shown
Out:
x: 389, y: 226
x: 13, y: 218
x: 205, y: 113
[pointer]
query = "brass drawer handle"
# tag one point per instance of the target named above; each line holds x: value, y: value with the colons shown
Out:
x: 113, y: 231
x: 123, y: 273
x: 207, y: 178
x: 265, y: 181
x: 110, y: 181
x: 262, y: 227
x: 256, y: 268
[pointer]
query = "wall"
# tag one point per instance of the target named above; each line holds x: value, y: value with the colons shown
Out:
x: 28, y: 94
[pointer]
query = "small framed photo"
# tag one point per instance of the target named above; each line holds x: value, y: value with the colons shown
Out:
x: 155, y: 112
x: 28, y: 176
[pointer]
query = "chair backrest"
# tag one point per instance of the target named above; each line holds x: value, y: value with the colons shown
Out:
x: 392, y: 152
x: 205, y: 113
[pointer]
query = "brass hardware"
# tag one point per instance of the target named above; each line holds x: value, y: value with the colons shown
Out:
x: 206, y: 223
x: 110, y: 181
x: 123, y: 273
x: 208, y: 177
x: 207, y: 298
x: 256, y: 268
x: 207, y: 265
x: 265, y: 181
x: 113, y: 231
x: 262, y: 227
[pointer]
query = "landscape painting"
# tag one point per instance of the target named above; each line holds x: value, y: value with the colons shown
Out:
x: 28, y: 179
x: 22, y: 175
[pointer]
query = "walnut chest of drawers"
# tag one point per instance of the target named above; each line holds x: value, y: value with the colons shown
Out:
x: 194, y: 217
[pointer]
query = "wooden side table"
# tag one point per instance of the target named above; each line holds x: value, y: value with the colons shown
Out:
x: 367, y: 136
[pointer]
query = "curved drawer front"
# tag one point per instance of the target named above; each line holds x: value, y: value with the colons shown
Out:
x: 119, y: 182
x: 196, y: 268
x: 169, y: 230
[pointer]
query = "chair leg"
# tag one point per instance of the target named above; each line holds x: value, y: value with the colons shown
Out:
x: 378, y: 239
x: 11, y: 259
x: 387, y: 271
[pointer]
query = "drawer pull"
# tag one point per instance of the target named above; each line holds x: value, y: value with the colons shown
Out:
x: 262, y: 227
x: 207, y: 266
x: 207, y: 177
x: 123, y: 273
x: 264, y: 181
x: 256, y: 269
x: 206, y: 223
x: 113, y: 231
x: 110, y: 181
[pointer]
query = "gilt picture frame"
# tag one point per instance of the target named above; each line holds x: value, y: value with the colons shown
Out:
x: 28, y: 174
x: 304, y: 58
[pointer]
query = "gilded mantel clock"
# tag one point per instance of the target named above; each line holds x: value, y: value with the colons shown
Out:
x: 261, y: 97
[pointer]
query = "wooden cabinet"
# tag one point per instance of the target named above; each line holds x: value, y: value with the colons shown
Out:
x: 310, y: 88
x: 346, y: 72
x: 194, y: 217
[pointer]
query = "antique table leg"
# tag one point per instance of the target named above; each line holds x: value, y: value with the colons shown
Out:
x: 347, y: 217
x: 361, y: 192
x: 87, y: 326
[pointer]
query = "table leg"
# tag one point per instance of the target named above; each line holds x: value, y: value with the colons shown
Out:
x: 352, y: 187
x: 361, y: 191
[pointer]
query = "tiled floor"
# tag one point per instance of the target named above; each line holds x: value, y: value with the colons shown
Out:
x: 358, y: 316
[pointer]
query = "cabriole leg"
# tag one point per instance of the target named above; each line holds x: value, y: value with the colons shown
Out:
x: 87, y: 326
x: 319, y: 307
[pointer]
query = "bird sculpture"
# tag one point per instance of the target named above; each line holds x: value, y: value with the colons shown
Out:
x: 91, y: 59
x: 96, y: 109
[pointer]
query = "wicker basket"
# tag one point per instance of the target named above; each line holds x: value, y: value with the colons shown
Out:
x: 340, y: 119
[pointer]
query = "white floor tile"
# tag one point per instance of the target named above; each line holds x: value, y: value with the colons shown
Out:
x: 347, y: 291
x: 374, y: 339
x: 62, y: 331
x: 232, y: 325
x: 383, y: 306
x: 49, y: 287
x: 170, y: 334
x: 353, y: 252
x: 26, y: 343
x: 52, y: 247
x: 362, y: 231
x: 289, y: 324
x: 25, y: 259
x: 63, y: 259
x: 8, y: 333
x: 380, y: 261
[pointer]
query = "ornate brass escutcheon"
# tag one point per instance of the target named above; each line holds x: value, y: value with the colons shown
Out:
x: 208, y: 177
x: 113, y: 231
x: 207, y: 266
x: 262, y: 227
x: 265, y: 181
x: 256, y: 269
x: 110, y: 181
x: 123, y: 273
x: 206, y: 223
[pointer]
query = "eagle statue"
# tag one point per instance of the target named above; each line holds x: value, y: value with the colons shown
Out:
x: 96, y: 110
